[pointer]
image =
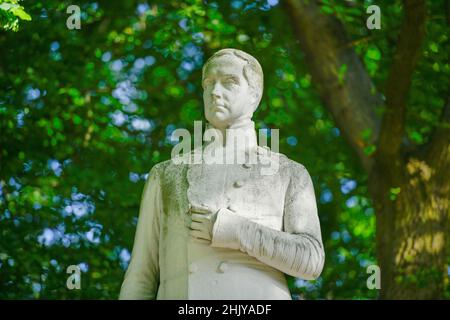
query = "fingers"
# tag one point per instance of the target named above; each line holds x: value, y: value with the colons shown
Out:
x: 200, y: 217
x: 199, y: 234
x: 201, y: 240
x: 198, y: 226
x: 201, y: 210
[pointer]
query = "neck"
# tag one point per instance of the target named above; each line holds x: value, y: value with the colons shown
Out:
x: 243, y: 128
x: 241, y: 123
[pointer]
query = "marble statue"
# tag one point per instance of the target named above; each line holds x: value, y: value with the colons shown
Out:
x: 212, y: 230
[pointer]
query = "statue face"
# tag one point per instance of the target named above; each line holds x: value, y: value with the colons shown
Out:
x: 227, y: 95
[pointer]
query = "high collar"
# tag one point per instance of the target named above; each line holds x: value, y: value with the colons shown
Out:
x: 242, y: 134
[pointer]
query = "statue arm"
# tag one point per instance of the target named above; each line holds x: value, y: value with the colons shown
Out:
x: 142, y: 276
x: 297, y: 250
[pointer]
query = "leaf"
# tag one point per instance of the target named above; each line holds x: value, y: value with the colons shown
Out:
x: 341, y: 73
x: 394, y: 192
x: 19, y: 12
x: 7, y: 6
x: 327, y: 10
x: 434, y: 47
x: 373, y: 53
x: 417, y: 137
x: 366, y: 134
x: 369, y: 149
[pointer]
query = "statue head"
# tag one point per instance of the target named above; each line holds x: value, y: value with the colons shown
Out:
x: 232, y: 87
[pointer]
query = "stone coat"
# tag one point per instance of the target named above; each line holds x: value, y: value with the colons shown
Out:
x: 267, y: 226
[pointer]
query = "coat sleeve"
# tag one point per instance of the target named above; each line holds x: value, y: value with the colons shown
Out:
x: 297, y: 250
x: 142, y: 277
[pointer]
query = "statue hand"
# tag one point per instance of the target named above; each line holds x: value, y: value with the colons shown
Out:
x: 202, y: 223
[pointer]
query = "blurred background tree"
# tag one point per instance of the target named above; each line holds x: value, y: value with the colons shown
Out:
x: 86, y: 113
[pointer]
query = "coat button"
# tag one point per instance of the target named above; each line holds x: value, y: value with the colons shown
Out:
x: 193, y: 268
x: 239, y: 183
x: 223, y: 267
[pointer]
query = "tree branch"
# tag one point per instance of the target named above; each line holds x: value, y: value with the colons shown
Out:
x: 341, y: 80
x: 398, y: 84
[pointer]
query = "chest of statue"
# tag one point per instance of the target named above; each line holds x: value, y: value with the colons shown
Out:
x: 242, y: 188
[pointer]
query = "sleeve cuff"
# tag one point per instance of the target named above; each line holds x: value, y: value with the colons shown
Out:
x: 226, y: 229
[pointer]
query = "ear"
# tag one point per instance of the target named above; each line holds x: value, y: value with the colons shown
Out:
x: 254, y: 99
x: 254, y: 96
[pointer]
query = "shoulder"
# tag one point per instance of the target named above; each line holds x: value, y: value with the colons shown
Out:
x: 158, y: 169
x: 170, y: 169
x: 292, y: 170
x: 286, y: 164
x: 294, y: 167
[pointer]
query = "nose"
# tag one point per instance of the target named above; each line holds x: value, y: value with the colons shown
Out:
x: 216, y: 92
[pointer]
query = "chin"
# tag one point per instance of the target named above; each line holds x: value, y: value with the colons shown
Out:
x: 218, y: 117
x: 219, y: 122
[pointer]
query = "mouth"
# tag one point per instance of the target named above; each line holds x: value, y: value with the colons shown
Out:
x: 218, y: 107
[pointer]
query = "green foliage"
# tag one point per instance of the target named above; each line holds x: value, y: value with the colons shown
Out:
x: 86, y: 113
x: 10, y: 14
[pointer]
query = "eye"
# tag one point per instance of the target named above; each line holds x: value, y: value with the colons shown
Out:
x: 206, y: 83
x: 231, y: 81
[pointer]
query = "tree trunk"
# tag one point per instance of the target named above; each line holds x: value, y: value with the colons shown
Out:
x: 409, y: 193
x: 412, y: 213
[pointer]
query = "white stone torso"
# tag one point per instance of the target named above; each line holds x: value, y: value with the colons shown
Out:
x: 283, y: 236
x: 205, y: 272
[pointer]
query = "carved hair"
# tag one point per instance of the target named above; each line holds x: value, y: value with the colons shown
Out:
x: 252, y: 70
